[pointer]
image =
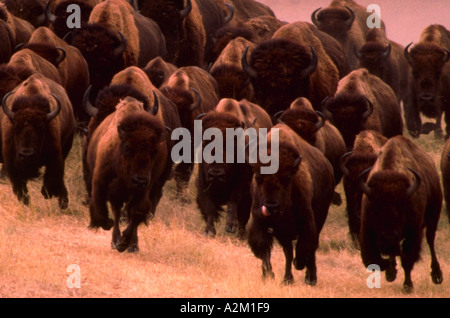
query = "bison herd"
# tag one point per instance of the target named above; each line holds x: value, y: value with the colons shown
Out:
x: 336, y: 94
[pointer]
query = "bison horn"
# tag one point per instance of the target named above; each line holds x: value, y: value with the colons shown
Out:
x: 324, y: 108
x: 321, y: 121
x: 254, y: 121
x: 296, y: 162
x: 19, y: 47
x: 155, y: 107
x: 343, y: 161
x: 369, y: 110
x: 446, y: 56
x: 406, y: 53
x: 415, y: 186
x: 49, y: 14
x: 351, y: 19
x: 230, y: 14
x: 277, y: 115
x: 198, y: 100
x: 121, y: 48
x: 312, y: 66
x: 199, y: 117
x: 54, y: 113
x: 356, y: 51
x: 187, y: 9
x: 250, y: 71
x: 387, y: 52
x: 62, y: 55
x: 68, y: 37
x: 364, y: 187
x: 90, y: 109
x: 314, y: 18
x: 8, y: 112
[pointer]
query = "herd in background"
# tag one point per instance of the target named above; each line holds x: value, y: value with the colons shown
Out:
x: 137, y: 70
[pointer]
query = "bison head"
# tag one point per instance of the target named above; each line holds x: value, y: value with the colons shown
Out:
x: 374, y: 56
x: 304, y: 122
x: 348, y: 112
x: 279, y: 71
x: 388, y: 194
x: 59, y: 18
x: 273, y: 191
x: 334, y: 21
x: 30, y: 116
x: 187, y: 101
x: 51, y: 53
x: 29, y: 10
x: 219, y: 173
x: 103, y: 50
x: 11, y: 77
x: 427, y: 61
x: 140, y: 136
x: 232, y: 82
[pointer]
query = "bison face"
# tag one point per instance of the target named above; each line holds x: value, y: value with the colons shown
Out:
x: 59, y: 18
x: 186, y: 101
x: 427, y: 61
x: 140, y: 137
x: 30, y: 117
x: 304, y: 122
x: 273, y: 191
x: 374, y: 57
x: 334, y: 21
x: 279, y: 72
x: 349, y: 114
x: 102, y: 49
x: 388, y: 193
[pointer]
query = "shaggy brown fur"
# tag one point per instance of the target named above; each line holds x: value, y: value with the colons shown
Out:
x: 29, y: 10
x: 20, y: 29
x: 293, y: 202
x: 158, y: 70
x: 445, y: 169
x: 30, y: 140
x: 389, y: 215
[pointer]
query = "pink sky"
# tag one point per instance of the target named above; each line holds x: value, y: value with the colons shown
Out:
x: 404, y: 19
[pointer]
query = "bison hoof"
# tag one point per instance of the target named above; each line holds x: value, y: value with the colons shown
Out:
x: 408, y: 288
x: 210, y: 232
x: 337, y: 200
x: 299, y: 264
x: 25, y: 200
x: 45, y: 193
x: 231, y: 227
x: 104, y: 224
x: 391, y: 274
x: 63, y: 203
x: 436, y: 276
x: 288, y: 280
x: 310, y: 279
x: 133, y: 248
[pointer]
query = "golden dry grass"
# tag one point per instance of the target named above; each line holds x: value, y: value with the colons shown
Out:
x: 175, y: 259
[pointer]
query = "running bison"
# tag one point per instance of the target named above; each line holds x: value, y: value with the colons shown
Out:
x: 402, y: 196
x: 363, y: 101
x: 127, y: 154
x: 228, y: 183
x: 291, y: 204
x: 37, y: 128
x: 365, y: 151
x: 429, y: 90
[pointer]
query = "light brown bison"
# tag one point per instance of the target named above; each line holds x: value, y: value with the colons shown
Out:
x: 37, y: 128
x: 291, y: 204
x: 386, y: 60
x: 7, y: 42
x: 158, y: 70
x: 431, y: 78
x: 243, y: 10
x: 71, y: 65
x: 346, y: 21
x: 228, y: 183
x: 127, y: 155
x: 293, y: 64
x: 364, y: 153
x: 231, y: 79
x: 402, y: 196
x: 363, y: 101
x: 194, y: 91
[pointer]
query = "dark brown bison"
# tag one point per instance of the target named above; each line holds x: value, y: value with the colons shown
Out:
x: 431, y: 78
x: 292, y: 64
x: 445, y: 169
x: 291, y: 204
x: 57, y: 15
x: 243, y: 10
x: 313, y: 127
x: 158, y: 70
x: 346, y: 21
x: 364, y: 153
x: 32, y: 11
x: 127, y: 155
x: 37, y: 128
x: 7, y: 42
x: 72, y: 66
x: 194, y: 91
x: 20, y: 29
x: 363, y: 101
x: 116, y: 37
x: 386, y: 60
x: 228, y: 183
x: 402, y: 196
x: 188, y: 27
x: 227, y: 70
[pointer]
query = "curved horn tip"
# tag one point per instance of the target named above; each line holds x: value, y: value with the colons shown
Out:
x: 250, y: 71
x: 230, y: 15
x: 198, y: 101
x: 415, y: 186
x: 343, y: 161
x: 51, y: 115
x: 186, y: 10
x: 90, y: 109
x: 8, y: 112
x: 48, y: 12
x: 314, y: 17
x: 155, y: 107
x: 364, y: 187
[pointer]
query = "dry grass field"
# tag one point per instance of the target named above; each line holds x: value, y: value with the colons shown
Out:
x: 175, y: 259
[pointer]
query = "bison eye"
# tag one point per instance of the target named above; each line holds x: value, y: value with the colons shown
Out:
x: 127, y: 151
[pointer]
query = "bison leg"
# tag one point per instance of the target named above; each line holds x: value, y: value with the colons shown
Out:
x: 54, y: 183
x: 261, y: 241
x: 311, y: 270
x: 183, y: 172
x: 116, y: 207
x: 289, y: 256
x: 232, y: 223
x: 21, y: 191
x: 438, y: 133
x: 410, y: 254
x: 128, y: 240
x: 391, y: 270
x: 436, y: 273
x: 98, y: 209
